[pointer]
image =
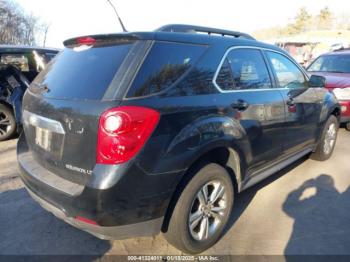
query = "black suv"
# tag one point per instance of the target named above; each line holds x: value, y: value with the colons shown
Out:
x: 134, y: 134
x: 19, y: 65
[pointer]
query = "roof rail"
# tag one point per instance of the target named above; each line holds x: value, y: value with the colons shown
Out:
x: 179, y: 28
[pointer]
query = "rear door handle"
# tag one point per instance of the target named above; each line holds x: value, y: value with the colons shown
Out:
x: 240, y: 105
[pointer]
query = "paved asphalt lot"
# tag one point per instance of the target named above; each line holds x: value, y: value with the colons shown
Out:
x: 303, y: 210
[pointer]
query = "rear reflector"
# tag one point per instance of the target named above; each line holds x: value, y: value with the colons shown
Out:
x: 122, y: 133
x: 85, y: 220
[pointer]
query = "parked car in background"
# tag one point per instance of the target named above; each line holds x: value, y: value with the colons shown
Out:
x: 162, y: 137
x: 335, y: 67
x: 19, y: 66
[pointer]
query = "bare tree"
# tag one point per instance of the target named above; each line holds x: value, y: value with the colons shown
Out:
x: 17, y: 27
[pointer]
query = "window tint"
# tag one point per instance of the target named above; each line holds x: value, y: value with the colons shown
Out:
x: 18, y: 60
x: 165, y: 63
x: 288, y: 74
x: 83, y: 73
x: 244, y: 69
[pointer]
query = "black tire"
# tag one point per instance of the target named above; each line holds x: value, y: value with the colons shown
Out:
x: 7, y: 123
x: 347, y: 126
x: 321, y: 154
x: 179, y: 233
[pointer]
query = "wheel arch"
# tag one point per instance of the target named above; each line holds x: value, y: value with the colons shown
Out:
x: 330, y: 107
x: 336, y: 111
x: 227, y: 157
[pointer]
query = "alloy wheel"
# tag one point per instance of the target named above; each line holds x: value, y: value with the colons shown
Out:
x: 5, y: 123
x: 329, y: 140
x: 208, y: 210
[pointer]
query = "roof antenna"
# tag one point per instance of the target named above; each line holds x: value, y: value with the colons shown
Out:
x: 120, y: 21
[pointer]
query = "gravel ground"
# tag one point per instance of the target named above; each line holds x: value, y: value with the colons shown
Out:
x: 303, y: 209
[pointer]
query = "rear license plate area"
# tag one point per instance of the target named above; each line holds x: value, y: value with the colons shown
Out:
x: 43, y: 138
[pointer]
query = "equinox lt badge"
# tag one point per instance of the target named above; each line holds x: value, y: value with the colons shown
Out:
x: 78, y: 169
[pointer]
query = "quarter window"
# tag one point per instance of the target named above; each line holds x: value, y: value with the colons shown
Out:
x: 164, y: 65
x: 288, y: 74
x: 243, y: 69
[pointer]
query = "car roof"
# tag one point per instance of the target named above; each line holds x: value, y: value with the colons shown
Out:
x: 338, y: 52
x: 22, y: 48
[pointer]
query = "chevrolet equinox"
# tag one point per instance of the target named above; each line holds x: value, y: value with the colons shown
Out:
x: 133, y: 134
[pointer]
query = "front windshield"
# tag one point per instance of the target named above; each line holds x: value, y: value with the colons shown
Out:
x: 331, y: 63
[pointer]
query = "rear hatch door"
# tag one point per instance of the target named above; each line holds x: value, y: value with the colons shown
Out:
x: 61, y: 108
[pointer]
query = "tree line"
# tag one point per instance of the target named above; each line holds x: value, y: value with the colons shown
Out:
x: 18, y: 27
x: 304, y: 21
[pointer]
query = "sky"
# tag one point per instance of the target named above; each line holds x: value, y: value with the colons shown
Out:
x: 71, y: 18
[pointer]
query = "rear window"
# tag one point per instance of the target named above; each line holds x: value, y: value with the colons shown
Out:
x: 164, y: 65
x: 18, y: 60
x: 82, y: 73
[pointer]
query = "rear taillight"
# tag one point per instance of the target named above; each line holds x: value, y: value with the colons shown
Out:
x: 122, y: 133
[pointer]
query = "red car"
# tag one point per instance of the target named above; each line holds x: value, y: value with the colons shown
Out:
x: 335, y: 67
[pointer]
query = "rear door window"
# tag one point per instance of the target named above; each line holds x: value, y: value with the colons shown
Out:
x: 165, y: 63
x: 82, y: 73
x: 243, y: 69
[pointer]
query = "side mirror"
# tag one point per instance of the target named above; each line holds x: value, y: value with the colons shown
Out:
x: 317, y: 81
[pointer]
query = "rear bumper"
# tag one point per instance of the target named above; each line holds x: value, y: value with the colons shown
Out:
x: 147, y: 228
x: 345, y: 111
x: 124, y: 202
